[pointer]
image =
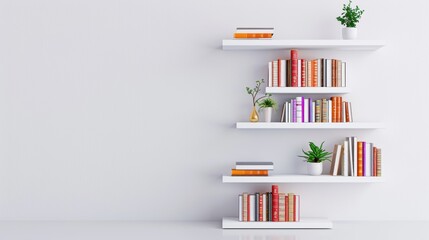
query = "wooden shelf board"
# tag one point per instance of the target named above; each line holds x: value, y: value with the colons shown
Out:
x: 312, y: 223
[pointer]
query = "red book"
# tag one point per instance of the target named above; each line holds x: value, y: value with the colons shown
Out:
x: 260, y: 207
x: 279, y: 72
x: 275, y: 190
x: 303, y: 73
x: 287, y: 208
x: 374, y: 161
x: 294, y: 67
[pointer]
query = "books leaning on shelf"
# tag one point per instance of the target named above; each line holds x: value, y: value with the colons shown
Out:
x: 356, y: 158
x: 305, y: 110
x: 254, y: 33
x: 269, y: 207
x: 252, y: 168
x: 296, y: 72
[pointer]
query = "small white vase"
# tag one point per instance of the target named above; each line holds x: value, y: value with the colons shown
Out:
x: 267, y: 114
x: 315, y: 168
x: 349, y: 33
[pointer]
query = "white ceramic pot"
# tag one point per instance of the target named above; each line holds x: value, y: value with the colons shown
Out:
x: 349, y: 33
x: 314, y: 168
x: 267, y: 114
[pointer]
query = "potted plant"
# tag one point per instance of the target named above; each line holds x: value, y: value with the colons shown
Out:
x: 349, y: 18
x: 267, y: 104
x: 254, y: 117
x: 315, y: 158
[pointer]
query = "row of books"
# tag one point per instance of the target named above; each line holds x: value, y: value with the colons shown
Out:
x: 296, y: 72
x: 269, y: 207
x: 252, y: 168
x: 305, y: 110
x: 356, y: 158
x: 254, y: 33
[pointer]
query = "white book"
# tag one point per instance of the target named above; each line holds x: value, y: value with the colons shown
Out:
x: 240, y: 208
x: 329, y: 72
x: 355, y: 158
x: 313, y: 114
x: 306, y: 110
x: 337, y: 160
x: 339, y: 73
x: 350, y: 156
x: 319, y: 72
x: 299, y: 109
x: 298, y: 208
x: 329, y: 110
x: 343, y: 110
x: 289, y: 117
x: 350, y: 112
x: 325, y: 69
x: 275, y: 74
x: 270, y: 74
x: 299, y: 73
x: 252, y: 210
x: 346, y: 159
x: 367, y: 163
x: 254, y: 30
x: 264, y: 207
x: 283, y: 73
x: 343, y: 74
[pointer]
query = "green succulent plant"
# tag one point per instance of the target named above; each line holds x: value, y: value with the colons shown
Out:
x: 316, y: 154
x: 350, y: 16
x: 267, y: 103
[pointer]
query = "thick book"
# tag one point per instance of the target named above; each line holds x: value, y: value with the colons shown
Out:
x: 237, y: 172
x: 339, y: 111
x: 318, y: 110
x: 240, y: 207
x: 282, y: 73
x: 309, y: 76
x: 298, y: 109
x: 325, y: 110
x: 294, y: 67
x: 253, y: 35
x: 336, y: 158
x: 374, y: 161
x: 360, y: 159
x: 245, y: 214
x: 314, y: 74
x: 368, y: 159
x: 254, y: 165
x: 275, y: 191
x: 334, y: 109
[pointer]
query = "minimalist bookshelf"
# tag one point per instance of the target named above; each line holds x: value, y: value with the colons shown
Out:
x: 274, y: 44
x: 316, y: 223
x: 307, y: 90
x: 312, y: 125
x: 300, y: 179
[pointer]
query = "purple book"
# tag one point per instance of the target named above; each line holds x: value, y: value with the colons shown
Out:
x: 303, y: 108
x: 293, y: 110
x: 310, y: 110
x: 363, y: 157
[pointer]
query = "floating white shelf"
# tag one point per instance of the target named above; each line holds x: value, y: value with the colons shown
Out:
x: 304, y: 223
x: 284, y: 125
x: 300, y: 179
x: 273, y: 44
x: 307, y: 90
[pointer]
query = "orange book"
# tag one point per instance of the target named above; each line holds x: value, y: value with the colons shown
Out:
x: 314, y: 69
x: 374, y: 161
x: 253, y: 35
x: 360, y: 159
x: 339, y: 109
x: 334, y: 73
x: 334, y: 109
x: 235, y: 172
x: 347, y: 112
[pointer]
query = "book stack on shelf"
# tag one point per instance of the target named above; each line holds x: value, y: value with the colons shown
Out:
x: 253, y: 33
x: 252, y: 168
x: 306, y: 110
x: 356, y: 158
x: 269, y: 207
x: 296, y: 72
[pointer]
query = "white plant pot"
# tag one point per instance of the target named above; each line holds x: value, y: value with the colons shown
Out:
x: 349, y: 33
x: 267, y: 114
x: 314, y: 168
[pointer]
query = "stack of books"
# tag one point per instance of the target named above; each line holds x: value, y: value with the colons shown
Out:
x: 305, y: 110
x: 252, y: 168
x: 254, y: 33
x: 356, y: 158
x: 296, y: 72
x: 269, y: 207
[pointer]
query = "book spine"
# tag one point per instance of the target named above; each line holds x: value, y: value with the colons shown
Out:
x: 334, y: 109
x: 364, y: 159
x: 360, y: 159
x: 240, y: 207
x: 291, y: 208
x: 378, y: 162
x: 343, y: 74
x: 297, y: 208
x: 289, y: 73
x: 309, y: 74
x: 275, y: 73
x: 334, y: 72
x: 299, y: 73
x: 252, y: 207
x: 236, y: 172
x: 319, y: 72
x: 264, y: 207
x: 270, y: 74
x: 283, y: 73
x: 298, y: 102
x: 275, y: 191
x: 281, y: 207
x: 339, y: 80
x: 314, y: 69
x: 313, y: 112
x: 294, y: 67
x: 279, y: 72
x: 374, y: 161
x: 286, y: 208
x: 253, y: 35
x: 318, y: 112
x: 261, y: 208
x: 346, y: 159
x: 245, y: 207
x: 324, y: 110
x: 339, y: 112
x: 347, y: 112
x: 303, y: 73
x: 329, y: 72
x: 270, y: 207
x: 256, y: 207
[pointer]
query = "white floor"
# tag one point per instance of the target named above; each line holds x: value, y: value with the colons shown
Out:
x: 207, y: 231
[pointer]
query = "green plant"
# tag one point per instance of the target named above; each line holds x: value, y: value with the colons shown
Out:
x: 254, y: 92
x: 267, y: 103
x: 350, y: 16
x: 316, y: 154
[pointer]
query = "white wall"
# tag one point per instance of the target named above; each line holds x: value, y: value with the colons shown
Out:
x: 125, y: 109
